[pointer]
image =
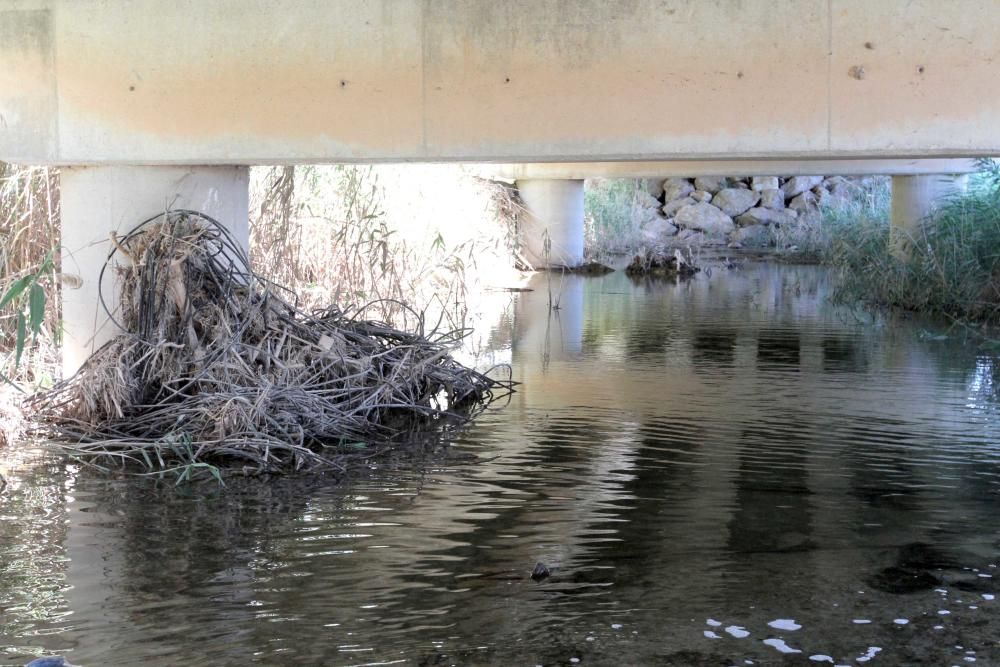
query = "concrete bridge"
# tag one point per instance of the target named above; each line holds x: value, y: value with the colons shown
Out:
x: 153, y: 104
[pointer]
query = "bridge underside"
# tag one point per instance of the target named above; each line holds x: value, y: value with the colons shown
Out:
x: 563, y: 90
x: 272, y: 81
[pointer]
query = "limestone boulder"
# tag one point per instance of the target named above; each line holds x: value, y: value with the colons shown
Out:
x: 761, y: 183
x: 692, y: 237
x: 705, y: 218
x: 655, y: 231
x: 675, y: 188
x: 670, y: 208
x: 701, y: 196
x: 751, y: 236
x: 653, y: 186
x: 765, y: 216
x: 796, y: 185
x: 733, y: 201
x: 772, y: 198
x: 710, y: 184
x: 804, y: 202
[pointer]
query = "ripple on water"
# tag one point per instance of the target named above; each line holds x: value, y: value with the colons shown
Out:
x: 734, y: 448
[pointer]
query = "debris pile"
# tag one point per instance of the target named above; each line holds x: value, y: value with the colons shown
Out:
x: 218, y: 367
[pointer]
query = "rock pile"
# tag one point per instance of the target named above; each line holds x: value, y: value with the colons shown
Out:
x: 739, y: 211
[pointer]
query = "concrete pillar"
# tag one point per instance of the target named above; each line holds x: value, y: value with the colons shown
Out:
x: 914, y: 199
x: 555, y: 218
x: 98, y: 200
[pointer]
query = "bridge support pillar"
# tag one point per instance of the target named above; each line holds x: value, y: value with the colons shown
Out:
x: 97, y: 201
x: 553, y: 230
x: 914, y: 199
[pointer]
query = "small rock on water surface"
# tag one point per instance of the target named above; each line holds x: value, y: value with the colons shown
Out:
x: 540, y: 572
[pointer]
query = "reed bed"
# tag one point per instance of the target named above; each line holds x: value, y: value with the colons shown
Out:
x: 952, y: 263
x: 217, y: 366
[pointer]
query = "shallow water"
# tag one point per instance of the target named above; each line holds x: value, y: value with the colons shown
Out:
x: 719, y: 472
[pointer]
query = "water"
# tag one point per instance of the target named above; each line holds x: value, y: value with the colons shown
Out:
x: 723, y: 472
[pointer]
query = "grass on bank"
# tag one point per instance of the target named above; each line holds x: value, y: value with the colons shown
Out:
x: 952, y: 266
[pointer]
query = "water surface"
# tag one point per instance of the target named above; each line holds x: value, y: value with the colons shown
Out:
x: 716, y: 472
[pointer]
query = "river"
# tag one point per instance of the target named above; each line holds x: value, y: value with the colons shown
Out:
x: 726, y: 471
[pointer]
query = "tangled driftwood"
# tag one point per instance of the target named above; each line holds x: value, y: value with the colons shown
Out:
x: 218, y: 366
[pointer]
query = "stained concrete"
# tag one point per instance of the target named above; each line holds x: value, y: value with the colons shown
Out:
x: 270, y: 81
x: 97, y: 201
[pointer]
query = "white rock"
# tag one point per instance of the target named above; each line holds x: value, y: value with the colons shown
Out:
x: 799, y: 184
x: 701, y: 195
x: 733, y: 201
x: 706, y: 218
x: 751, y: 235
x: 675, y: 188
x: 760, y: 183
x: 804, y: 203
x: 653, y: 186
x: 670, y: 208
x: 710, y: 184
x: 656, y: 230
x: 772, y: 198
x: 646, y: 200
x: 764, y: 216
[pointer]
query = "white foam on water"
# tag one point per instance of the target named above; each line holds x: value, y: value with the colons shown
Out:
x: 819, y: 657
x: 972, y: 606
x: 574, y: 660
x: 616, y: 626
x: 781, y: 646
x: 861, y: 621
x: 943, y: 612
x: 784, y: 624
x: 939, y: 627
x: 901, y: 621
x: 984, y: 575
x: 869, y: 654
x: 942, y: 591
x: 737, y: 631
x: 590, y: 639
x: 988, y: 596
x: 712, y: 622
x: 711, y: 635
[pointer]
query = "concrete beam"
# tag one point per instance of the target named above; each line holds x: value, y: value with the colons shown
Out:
x: 270, y: 81
x: 691, y: 168
x: 97, y: 201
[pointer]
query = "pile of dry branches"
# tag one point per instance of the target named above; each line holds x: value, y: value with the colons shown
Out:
x: 217, y: 366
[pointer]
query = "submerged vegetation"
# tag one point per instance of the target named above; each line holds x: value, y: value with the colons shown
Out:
x: 218, y: 366
x: 951, y: 267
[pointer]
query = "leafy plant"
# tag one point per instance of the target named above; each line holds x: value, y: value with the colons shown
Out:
x: 27, y: 296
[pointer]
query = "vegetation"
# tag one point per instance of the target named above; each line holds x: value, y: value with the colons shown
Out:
x: 951, y: 267
x: 217, y: 366
x: 344, y: 234
x: 333, y: 235
x: 29, y: 263
x: 612, y: 220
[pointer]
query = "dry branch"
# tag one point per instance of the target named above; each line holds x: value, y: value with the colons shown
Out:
x: 219, y: 366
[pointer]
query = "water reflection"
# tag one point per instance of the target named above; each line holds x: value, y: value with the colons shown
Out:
x: 693, y: 461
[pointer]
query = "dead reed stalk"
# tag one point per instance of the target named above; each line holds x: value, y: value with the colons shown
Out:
x: 219, y: 367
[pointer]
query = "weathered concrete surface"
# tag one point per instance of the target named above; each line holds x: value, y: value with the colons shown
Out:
x: 914, y: 200
x: 258, y: 81
x: 721, y: 168
x: 97, y: 201
x: 552, y: 231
